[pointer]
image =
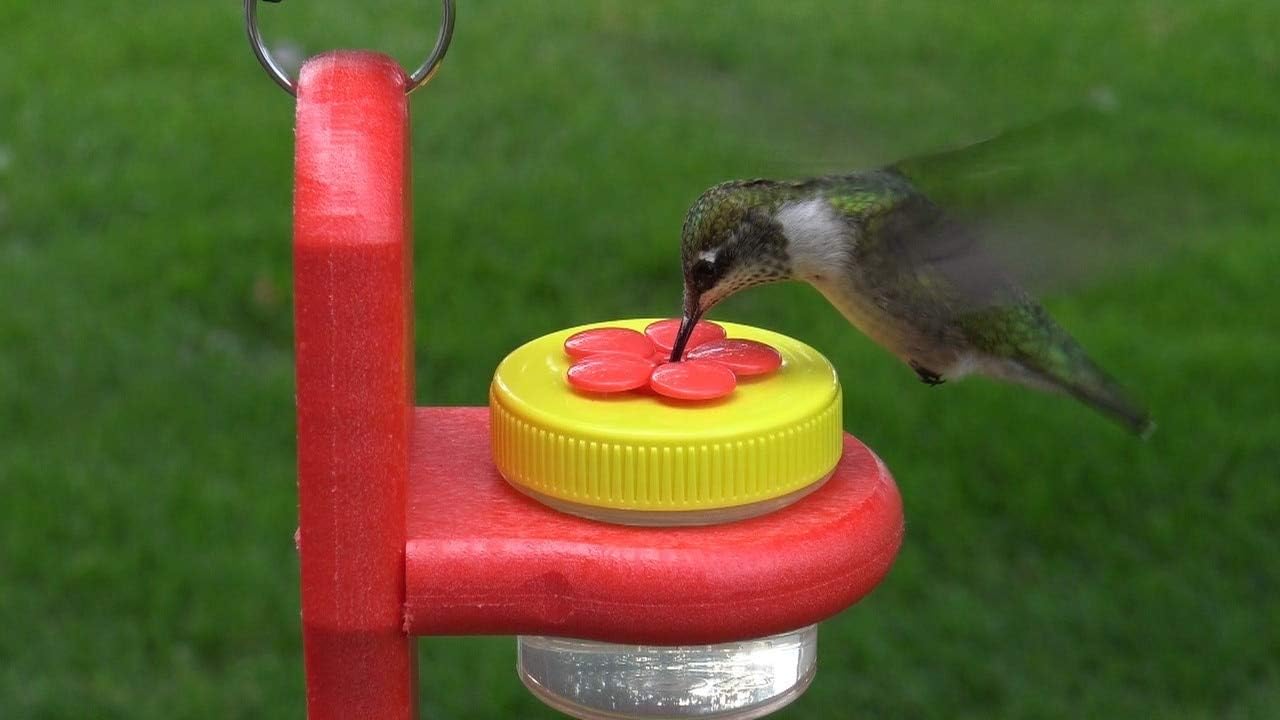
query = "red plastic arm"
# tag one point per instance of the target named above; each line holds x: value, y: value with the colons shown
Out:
x: 484, y: 559
x: 353, y: 293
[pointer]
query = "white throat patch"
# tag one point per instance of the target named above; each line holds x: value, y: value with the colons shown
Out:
x: 818, y: 241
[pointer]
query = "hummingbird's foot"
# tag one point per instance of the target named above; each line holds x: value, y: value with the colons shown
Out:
x: 927, y: 376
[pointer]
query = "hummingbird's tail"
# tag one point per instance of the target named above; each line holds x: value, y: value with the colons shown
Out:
x: 1102, y: 393
x: 1077, y: 375
x: 1024, y: 344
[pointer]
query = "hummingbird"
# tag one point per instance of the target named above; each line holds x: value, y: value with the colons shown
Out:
x: 901, y: 270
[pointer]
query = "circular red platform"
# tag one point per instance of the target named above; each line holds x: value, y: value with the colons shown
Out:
x: 482, y: 558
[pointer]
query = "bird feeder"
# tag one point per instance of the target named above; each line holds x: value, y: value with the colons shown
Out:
x: 656, y: 558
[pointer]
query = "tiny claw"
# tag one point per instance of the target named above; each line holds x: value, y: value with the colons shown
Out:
x: 927, y: 376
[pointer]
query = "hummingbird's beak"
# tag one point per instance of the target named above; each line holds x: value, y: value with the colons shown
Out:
x: 692, y: 313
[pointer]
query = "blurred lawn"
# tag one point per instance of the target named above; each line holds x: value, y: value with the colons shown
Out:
x: 1053, y: 566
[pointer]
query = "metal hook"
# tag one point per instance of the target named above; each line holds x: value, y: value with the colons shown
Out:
x: 419, y: 77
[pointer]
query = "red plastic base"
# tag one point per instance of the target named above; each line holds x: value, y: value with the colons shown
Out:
x: 484, y: 559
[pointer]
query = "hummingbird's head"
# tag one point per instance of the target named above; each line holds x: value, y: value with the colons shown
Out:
x: 730, y: 241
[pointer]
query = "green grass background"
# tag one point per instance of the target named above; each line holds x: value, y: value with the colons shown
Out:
x: 1053, y: 566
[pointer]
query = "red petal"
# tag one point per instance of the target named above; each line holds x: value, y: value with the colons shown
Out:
x: 608, y: 339
x: 663, y: 333
x: 610, y: 373
x: 743, y: 357
x: 693, y: 380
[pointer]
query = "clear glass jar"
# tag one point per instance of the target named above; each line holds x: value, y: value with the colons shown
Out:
x: 727, y: 681
x: 607, y: 681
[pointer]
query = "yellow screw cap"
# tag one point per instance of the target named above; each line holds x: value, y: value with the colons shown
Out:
x: 775, y: 436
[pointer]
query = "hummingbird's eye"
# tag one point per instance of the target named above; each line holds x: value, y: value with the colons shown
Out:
x: 703, y: 274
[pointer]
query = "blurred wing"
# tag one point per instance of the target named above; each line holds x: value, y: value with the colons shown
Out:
x: 914, y: 254
x: 1050, y: 203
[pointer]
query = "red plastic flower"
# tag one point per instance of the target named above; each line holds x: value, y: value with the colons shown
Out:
x: 615, y: 359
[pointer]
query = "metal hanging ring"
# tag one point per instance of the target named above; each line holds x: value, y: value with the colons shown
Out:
x: 278, y: 74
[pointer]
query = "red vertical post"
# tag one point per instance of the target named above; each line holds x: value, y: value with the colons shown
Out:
x: 353, y: 318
